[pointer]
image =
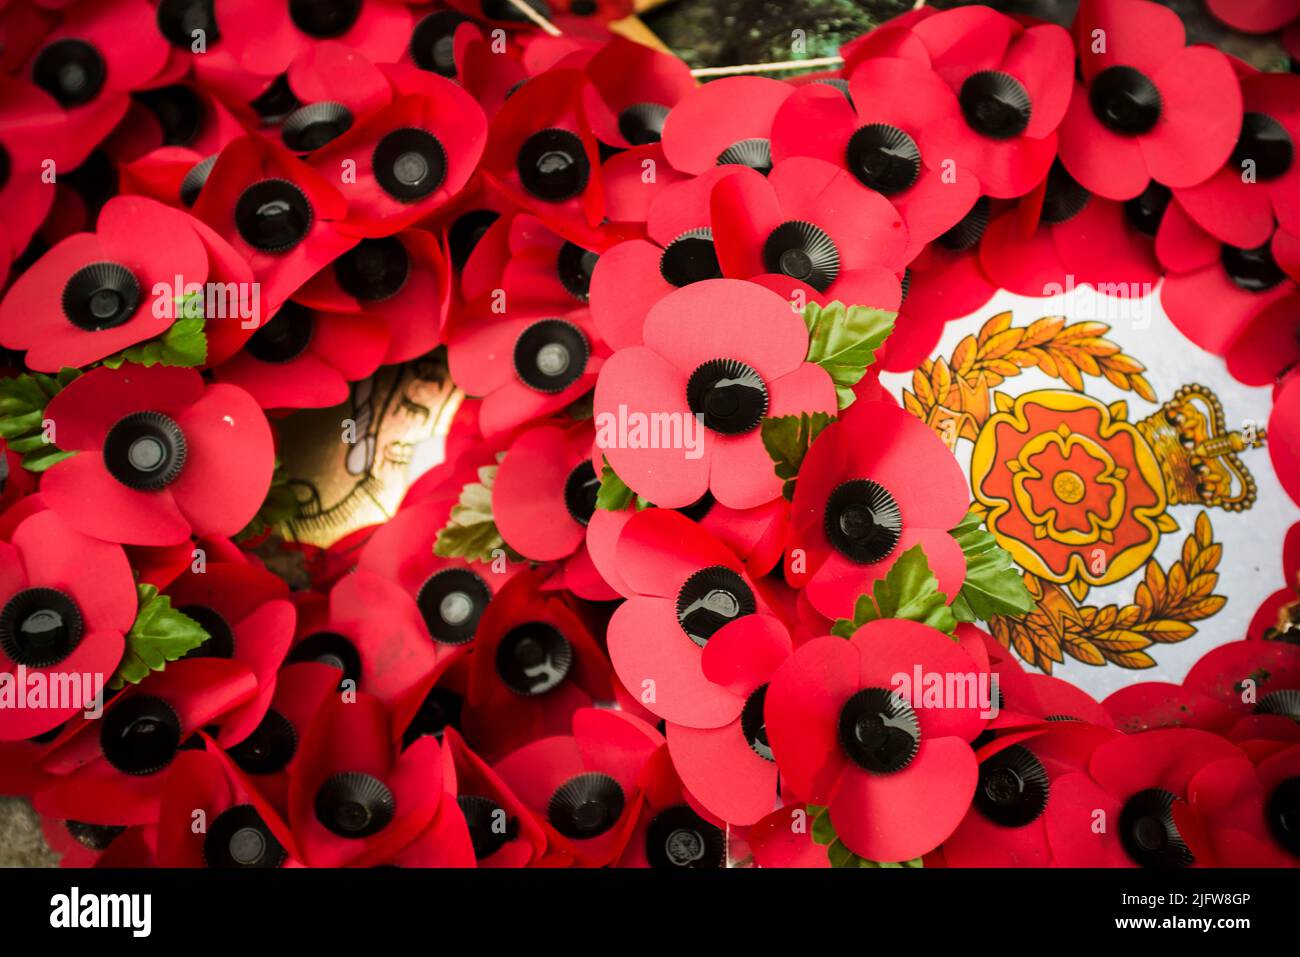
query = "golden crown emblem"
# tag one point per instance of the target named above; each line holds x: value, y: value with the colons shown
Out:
x: 1198, y: 455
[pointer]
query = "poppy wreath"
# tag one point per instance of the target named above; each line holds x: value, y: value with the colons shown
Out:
x: 688, y: 588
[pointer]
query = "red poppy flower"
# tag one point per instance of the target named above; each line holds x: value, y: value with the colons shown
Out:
x: 543, y: 499
x: 1061, y: 236
x: 1148, y: 107
x: 240, y: 829
x: 718, y: 378
x: 248, y: 618
x: 81, y: 844
x: 678, y: 250
x: 1260, y: 183
x: 352, y: 800
x: 543, y: 156
x: 730, y: 769
x: 446, y: 842
x: 673, y: 830
x: 303, y: 358
x: 584, y: 788
x: 686, y: 586
x: 277, y: 212
x: 1269, y: 344
x: 857, y: 505
x: 1135, y: 787
x: 95, y: 294
x: 1006, y: 826
x: 68, y: 600
x: 110, y: 770
x: 1273, y: 618
x: 408, y: 158
x: 1244, y: 811
x: 159, y: 456
x: 810, y: 228
x: 1250, y: 677
x: 374, y: 633
x: 524, y: 367
x: 266, y: 36
x: 534, y: 664
x: 632, y: 88
x: 896, y: 774
x: 1212, y: 291
x: 31, y: 123
x: 726, y: 122
x: 1012, y: 85
x: 873, y: 133
x: 86, y: 68
x: 1284, y: 428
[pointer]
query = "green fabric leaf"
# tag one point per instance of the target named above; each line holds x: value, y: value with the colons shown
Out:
x: 787, y: 439
x: 160, y: 634
x: 994, y: 585
x: 843, y: 341
x: 614, y: 495
x: 471, y: 530
x: 837, y: 852
x: 23, y: 399
x: 910, y: 591
x: 185, y: 343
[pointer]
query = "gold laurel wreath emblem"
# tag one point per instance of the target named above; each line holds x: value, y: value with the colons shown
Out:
x: 956, y: 397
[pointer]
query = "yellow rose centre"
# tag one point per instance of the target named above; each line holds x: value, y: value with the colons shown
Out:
x: 1068, y: 487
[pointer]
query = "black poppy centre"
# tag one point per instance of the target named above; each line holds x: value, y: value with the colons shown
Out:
x: 1125, y: 100
x: 352, y: 804
x: 995, y: 104
x: 99, y: 296
x: 140, y: 735
x: 409, y: 164
x: 1013, y: 787
x: 879, y: 731
x: 711, y: 598
x: 239, y: 838
x: 862, y: 521
x: 730, y: 396
x: 40, y: 627
x: 145, y: 451
x: 553, y: 165
x: 802, y: 251
x: 1148, y: 832
x: 884, y: 158
x: 273, y: 215
x: 585, y: 806
x: 534, y: 658
x: 551, y: 355
x: 691, y: 257
x: 451, y: 601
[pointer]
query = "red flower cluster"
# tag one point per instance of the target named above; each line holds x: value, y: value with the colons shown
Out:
x: 608, y: 629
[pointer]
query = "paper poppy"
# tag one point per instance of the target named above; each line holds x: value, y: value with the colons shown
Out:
x: 352, y: 800
x: 873, y: 133
x: 265, y: 37
x: 303, y: 358
x: 1061, y: 236
x: 1147, y: 107
x: 85, y: 67
x: 94, y: 294
x: 534, y: 664
x: 583, y: 787
x: 1012, y: 86
x: 858, y: 505
x: 158, y: 456
x: 1006, y: 826
x: 1260, y: 183
x: 543, y: 499
x: 1137, y: 785
x: 725, y: 122
x: 717, y: 379
x: 246, y: 613
x: 68, y: 602
x: 731, y: 770
x: 1250, y: 677
x: 277, y: 212
x: 673, y: 831
x: 374, y: 633
x: 112, y: 770
x: 523, y: 367
x: 240, y: 830
x: 1254, y: 16
x: 677, y: 250
x: 809, y: 228
x: 631, y: 92
x: 408, y: 158
x: 31, y: 123
x: 897, y: 775
x: 1213, y: 291
x: 1275, y: 617
x: 686, y: 586
x: 1245, y: 811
